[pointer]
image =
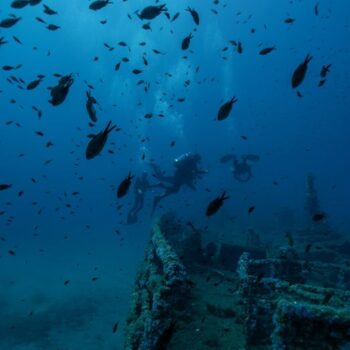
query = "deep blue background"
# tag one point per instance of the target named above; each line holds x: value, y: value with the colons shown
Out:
x: 293, y: 136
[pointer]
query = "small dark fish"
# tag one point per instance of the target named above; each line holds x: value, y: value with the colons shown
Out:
x: 319, y: 217
x: 4, y: 187
x: 136, y: 71
x: 9, y: 22
x: 194, y: 15
x: 239, y: 47
x: 251, y: 209
x: 325, y: 70
x: 17, y: 40
x: 147, y: 26
x: 300, y: 72
x: 40, y: 20
x: 289, y: 20
x: 19, y: 4
x: 266, y: 50
x: 115, y: 327
x: 99, y: 4
x: 177, y: 14
x: 98, y: 141
x: 316, y: 9
x: 60, y: 91
x: 124, y: 186
x: 216, y: 204
x: 66, y: 282
x: 321, y: 82
x: 225, y: 109
x: 11, y: 252
x: 91, y: 101
x: 33, y: 84
x: 49, y: 11
x: 185, y: 44
x: 151, y: 12
x: 53, y: 27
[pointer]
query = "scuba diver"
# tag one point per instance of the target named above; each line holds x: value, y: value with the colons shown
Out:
x: 141, y: 185
x: 242, y: 170
x: 186, y: 173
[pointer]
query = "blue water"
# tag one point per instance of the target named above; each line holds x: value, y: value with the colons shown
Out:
x: 74, y: 237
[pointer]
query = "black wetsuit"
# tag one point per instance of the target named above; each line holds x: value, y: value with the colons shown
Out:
x: 186, y: 173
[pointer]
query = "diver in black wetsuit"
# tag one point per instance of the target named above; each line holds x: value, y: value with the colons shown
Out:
x: 242, y: 170
x: 141, y: 185
x: 186, y: 173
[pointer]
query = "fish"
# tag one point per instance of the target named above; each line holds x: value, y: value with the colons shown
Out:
x: 176, y: 16
x: 124, y: 186
x: 251, y: 209
x: 151, y: 12
x: 53, y: 27
x: 99, y: 4
x: 316, y: 9
x: 289, y: 20
x: 5, y: 187
x: 60, y: 91
x: 115, y: 327
x: 194, y: 15
x: 216, y: 204
x: 318, y: 217
x: 9, y: 22
x: 49, y: 11
x: 185, y: 44
x: 98, y: 141
x: 19, y: 4
x: 239, y: 47
x: 300, y: 72
x: 33, y: 84
x: 225, y: 109
x: 90, y: 106
x: 325, y: 70
x: 266, y: 50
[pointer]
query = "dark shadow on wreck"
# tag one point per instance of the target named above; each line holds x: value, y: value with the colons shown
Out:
x: 223, y: 296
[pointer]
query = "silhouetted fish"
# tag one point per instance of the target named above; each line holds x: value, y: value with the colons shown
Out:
x: 300, y: 72
x: 216, y: 204
x: 98, y: 141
